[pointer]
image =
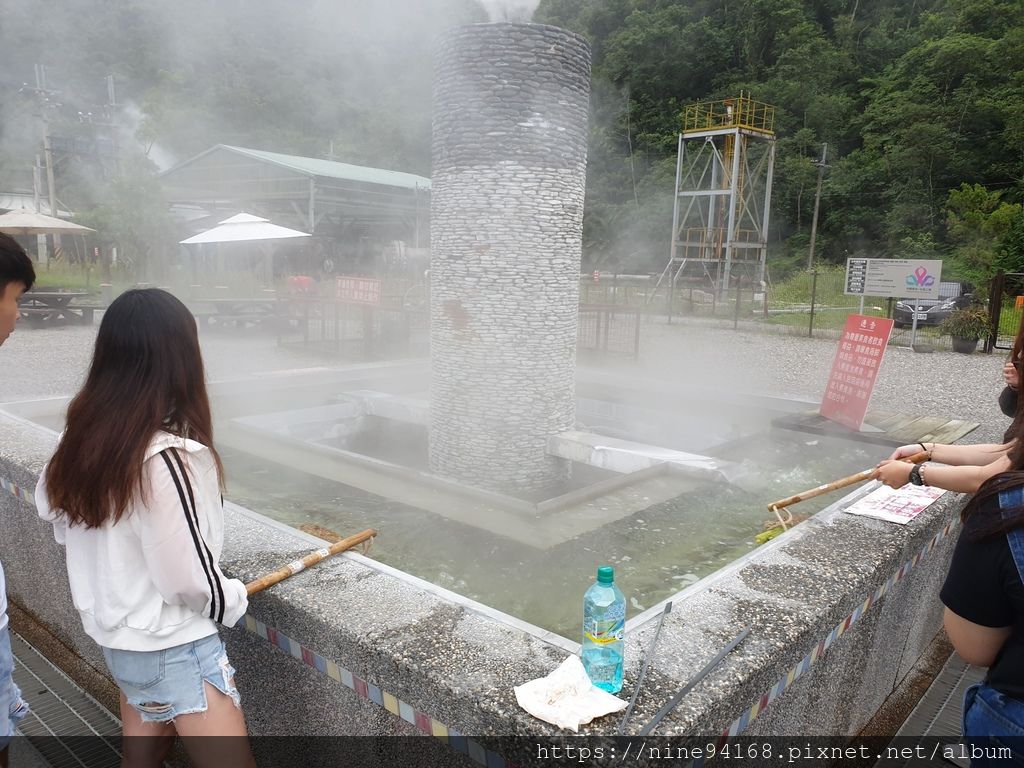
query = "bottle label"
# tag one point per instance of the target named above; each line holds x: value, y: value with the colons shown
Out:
x: 608, y: 628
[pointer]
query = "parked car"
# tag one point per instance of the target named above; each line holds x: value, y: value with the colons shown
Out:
x: 952, y: 295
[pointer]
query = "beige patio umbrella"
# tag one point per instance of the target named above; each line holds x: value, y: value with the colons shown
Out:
x: 22, y: 221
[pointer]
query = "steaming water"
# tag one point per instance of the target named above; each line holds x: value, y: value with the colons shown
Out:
x: 656, y: 552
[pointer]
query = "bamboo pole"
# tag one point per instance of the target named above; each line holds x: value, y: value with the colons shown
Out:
x: 272, y: 578
x: 860, y: 477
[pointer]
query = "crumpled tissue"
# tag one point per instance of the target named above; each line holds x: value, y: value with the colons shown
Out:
x: 566, y: 697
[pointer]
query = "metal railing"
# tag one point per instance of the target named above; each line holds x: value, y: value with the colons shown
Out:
x: 363, y: 331
x: 609, y: 329
x: 741, y: 112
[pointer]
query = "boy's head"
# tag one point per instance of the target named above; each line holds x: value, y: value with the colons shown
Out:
x: 16, y: 276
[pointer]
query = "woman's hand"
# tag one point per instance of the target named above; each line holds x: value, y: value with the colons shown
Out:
x: 1011, y: 375
x: 895, y: 474
x: 906, y: 451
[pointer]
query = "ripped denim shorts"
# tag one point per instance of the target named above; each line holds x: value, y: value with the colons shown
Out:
x: 12, y: 707
x: 161, y: 685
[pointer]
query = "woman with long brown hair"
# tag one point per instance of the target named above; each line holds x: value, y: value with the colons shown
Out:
x: 1009, y: 399
x: 134, y: 494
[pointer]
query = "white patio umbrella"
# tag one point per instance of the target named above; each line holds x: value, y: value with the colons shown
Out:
x: 22, y: 221
x: 245, y: 227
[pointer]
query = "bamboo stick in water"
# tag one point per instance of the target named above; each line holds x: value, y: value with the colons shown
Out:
x: 860, y: 477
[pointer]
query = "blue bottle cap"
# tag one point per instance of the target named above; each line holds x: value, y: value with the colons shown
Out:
x: 605, y: 574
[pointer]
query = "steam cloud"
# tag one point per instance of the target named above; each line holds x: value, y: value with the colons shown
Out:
x: 510, y: 10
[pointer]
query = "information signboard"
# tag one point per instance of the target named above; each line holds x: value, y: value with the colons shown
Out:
x: 855, y: 369
x: 357, y: 290
x: 899, y: 278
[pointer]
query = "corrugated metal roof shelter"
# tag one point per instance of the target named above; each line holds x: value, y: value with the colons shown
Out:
x: 321, y: 196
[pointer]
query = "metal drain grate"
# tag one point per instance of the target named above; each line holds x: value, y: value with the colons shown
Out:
x: 938, y: 714
x: 67, y: 726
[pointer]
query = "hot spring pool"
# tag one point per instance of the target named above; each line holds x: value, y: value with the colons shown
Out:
x: 663, y: 543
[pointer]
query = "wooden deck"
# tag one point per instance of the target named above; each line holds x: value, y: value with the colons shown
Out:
x: 892, y: 428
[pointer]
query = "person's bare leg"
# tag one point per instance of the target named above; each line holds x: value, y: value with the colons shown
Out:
x: 222, y: 718
x: 145, y: 744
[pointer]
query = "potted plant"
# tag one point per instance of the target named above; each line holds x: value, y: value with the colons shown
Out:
x: 965, y: 326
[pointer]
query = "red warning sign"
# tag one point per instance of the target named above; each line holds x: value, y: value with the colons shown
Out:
x: 855, y: 369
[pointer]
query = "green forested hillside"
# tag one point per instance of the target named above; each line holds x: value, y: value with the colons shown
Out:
x: 921, y: 103
x: 915, y: 98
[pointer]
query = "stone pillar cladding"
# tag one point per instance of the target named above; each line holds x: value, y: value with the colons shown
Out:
x: 509, y: 172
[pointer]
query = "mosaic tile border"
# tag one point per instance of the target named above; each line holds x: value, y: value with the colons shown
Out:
x: 364, y: 689
x: 798, y: 669
x: 18, y: 492
x: 433, y: 727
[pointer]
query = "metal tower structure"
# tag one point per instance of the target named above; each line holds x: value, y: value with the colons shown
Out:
x: 723, y: 191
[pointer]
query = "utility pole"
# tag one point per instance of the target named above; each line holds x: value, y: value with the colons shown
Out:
x: 41, y: 95
x: 817, y: 201
x: 110, y: 113
x: 37, y: 184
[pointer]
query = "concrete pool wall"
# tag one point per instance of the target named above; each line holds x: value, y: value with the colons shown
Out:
x: 841, y: 610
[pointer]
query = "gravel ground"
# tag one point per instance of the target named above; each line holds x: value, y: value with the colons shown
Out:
x: 921, y: 384
x: 52, y: 361
x: 47, y: 362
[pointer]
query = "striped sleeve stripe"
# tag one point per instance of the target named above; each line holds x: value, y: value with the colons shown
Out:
x: 219, y: 618
x: 193, y: 525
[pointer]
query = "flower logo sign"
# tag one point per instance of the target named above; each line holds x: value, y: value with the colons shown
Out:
x: 920, y: 279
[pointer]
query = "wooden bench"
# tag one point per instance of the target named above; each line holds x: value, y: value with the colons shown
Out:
x: 85, y: 311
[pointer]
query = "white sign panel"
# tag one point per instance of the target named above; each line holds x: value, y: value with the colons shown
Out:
x: 900, y: 278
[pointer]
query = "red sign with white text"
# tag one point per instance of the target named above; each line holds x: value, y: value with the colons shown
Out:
x: 855, y: 369
x: 357, y: 290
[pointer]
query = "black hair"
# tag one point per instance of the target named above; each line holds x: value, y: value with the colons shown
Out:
x: 15, y: 265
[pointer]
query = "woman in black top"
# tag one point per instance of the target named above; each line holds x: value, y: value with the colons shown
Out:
x: 984, y: 616
x: 1008, y: 398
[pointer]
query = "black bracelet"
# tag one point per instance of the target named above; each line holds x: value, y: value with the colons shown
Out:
x: 925, y: 448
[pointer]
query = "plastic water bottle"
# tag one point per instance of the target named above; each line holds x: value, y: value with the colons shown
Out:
x: 604, y: 623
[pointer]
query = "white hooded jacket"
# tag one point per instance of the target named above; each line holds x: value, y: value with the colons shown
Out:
x: 152, y: 580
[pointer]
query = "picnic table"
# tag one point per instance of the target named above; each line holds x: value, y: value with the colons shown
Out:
x: 238, y: 312
x: 41, y: 308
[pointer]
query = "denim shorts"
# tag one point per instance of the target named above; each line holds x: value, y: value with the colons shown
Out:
x: 993, y: 727
x: 12, y: 706
x: 160, y: 685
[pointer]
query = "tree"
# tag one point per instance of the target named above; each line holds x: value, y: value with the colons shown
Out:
x: 132, y: 215
x: 1010, y: 251
x: 979, y: 223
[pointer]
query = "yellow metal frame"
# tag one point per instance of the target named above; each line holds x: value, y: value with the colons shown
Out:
x: 741, y: 112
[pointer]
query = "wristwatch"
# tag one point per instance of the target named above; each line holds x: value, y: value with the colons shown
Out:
x: 915, y: 475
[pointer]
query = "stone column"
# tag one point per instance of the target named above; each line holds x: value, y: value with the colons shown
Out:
x: 509, y: 171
